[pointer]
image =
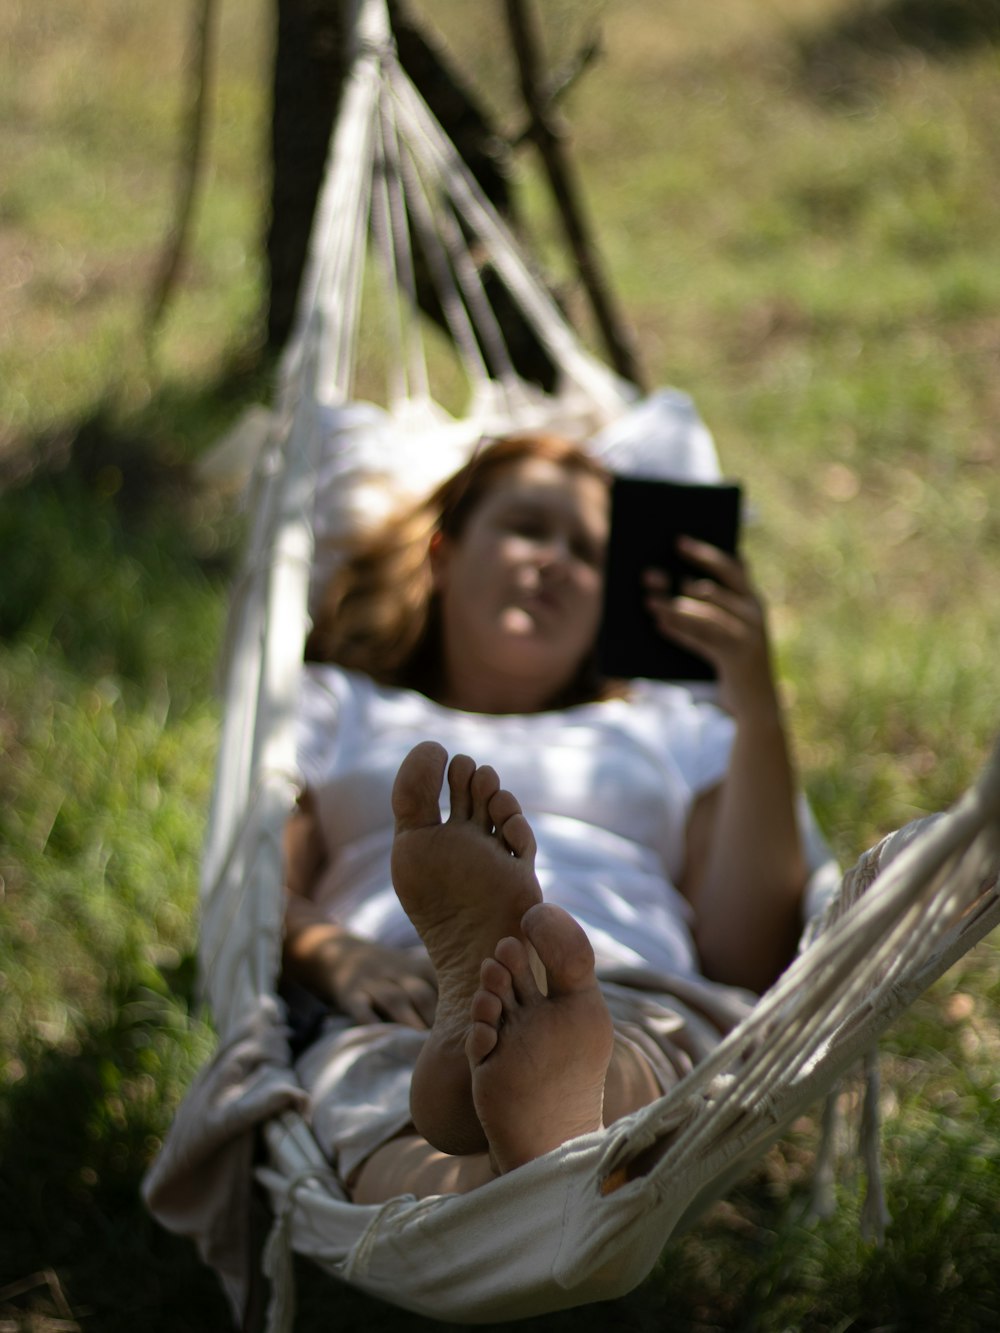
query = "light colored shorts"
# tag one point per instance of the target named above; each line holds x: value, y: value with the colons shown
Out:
x: 358, y: 1077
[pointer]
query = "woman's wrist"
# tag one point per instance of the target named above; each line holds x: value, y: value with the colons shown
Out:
x: 315, y: 953
x: 756, y: 706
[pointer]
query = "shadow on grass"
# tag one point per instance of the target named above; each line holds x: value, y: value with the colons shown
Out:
x: 111, y: 549
x: 941, y: 28
x: 837, y: 61
x: 74, y: 1140
x: 76, y: 1136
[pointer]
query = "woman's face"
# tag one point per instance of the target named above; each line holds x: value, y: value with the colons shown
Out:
x: 520, y: 587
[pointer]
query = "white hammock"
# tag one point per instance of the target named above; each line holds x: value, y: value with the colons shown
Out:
x: 565, y: 1229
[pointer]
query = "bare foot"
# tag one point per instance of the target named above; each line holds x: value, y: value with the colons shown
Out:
x: 464, y: 884
x: 539, y: 1061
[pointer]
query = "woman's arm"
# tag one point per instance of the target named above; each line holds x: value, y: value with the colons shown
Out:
x: 745, y: 869
x: 366, y: 981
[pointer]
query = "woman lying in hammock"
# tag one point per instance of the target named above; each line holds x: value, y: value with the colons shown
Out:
x: 652, y: 860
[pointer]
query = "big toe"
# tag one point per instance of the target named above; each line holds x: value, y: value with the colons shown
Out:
x: 417, y: 789
x: 562, y: 946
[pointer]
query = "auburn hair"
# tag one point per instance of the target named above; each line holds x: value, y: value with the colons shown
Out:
x: 378, y: 613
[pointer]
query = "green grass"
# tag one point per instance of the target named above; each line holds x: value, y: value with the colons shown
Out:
x: 798, y: 211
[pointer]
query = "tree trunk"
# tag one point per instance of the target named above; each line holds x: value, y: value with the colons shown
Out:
x: 309, y: 70
x: 308, y: 75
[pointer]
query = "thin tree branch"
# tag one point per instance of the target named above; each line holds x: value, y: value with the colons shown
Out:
x: 195, y: 117
x: 563, y: 81
x: 525, y: 38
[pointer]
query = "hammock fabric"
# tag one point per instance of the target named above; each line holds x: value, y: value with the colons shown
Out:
x: 574, y: 1227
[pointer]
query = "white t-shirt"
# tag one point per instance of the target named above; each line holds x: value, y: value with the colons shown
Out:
x: 607, y: 788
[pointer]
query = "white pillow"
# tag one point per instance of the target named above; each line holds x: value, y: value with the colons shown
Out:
x: 663, y: 438
x: 370, y: 464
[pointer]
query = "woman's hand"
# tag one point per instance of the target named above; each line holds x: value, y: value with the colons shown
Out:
x: 375, y: 984
x: 720, y: 617
x: 369, y: 982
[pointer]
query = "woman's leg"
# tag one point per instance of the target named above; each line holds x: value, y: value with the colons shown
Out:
x: 410, y: 1165
x: 538, y: 1063
x: 630, y: 1084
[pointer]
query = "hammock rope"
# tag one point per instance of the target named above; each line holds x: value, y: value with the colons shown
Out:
x: 392, y: 167
x: 575, y: 1226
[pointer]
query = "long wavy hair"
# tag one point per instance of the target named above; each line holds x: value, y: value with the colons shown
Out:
x: 379, y: 612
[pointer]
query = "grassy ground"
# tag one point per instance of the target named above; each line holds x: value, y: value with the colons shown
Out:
x: 798, y: 205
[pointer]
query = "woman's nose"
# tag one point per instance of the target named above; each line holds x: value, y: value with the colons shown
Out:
x: 552, y: 552
x: 545, y: 558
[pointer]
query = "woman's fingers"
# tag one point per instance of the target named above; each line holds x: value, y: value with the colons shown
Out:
x: 359, y: 1007
x: 726, y: 569
x: 389, y: 1000
x: 405, y: 999
x: 375, y: 984
x: 423, y: 998
x: 698, y: 594
x: 712, y: 631
x: 722, y: 569
x: 721, y: 618
x: 706, y: 607
x: 726, y: 585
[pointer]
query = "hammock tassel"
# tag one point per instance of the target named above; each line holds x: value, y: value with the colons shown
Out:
x: 875, y: 1215
x: 824, y: 1190
x: 278, y: 1265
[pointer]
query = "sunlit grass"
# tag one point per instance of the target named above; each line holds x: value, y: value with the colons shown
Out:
x: 93, y: 104
x: 803, y: 233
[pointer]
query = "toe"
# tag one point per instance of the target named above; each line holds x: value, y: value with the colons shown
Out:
x: 417, y: 789
x: 481, y: 1040
x: 516, y: 833
x: 484, y: 786
x: 561, y: 945
x: 486, y: 1007
x: 503, y: 805
x: 460, y: 773
x: 496, y: 979
x: 513, y: 956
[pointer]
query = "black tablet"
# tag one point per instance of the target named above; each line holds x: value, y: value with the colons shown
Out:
x: 647, y: 517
